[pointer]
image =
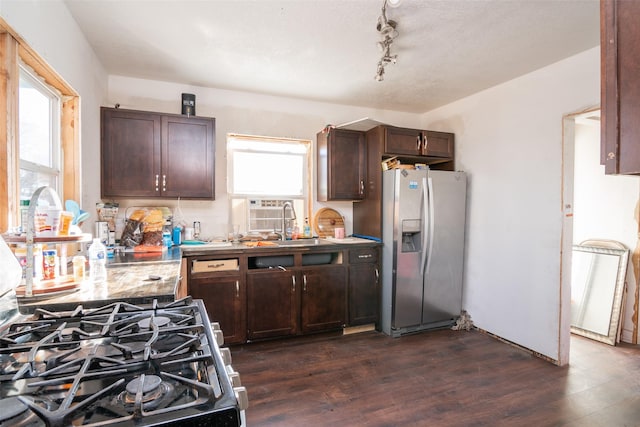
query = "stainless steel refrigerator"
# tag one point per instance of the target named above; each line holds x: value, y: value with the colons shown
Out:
x: 423, y: 221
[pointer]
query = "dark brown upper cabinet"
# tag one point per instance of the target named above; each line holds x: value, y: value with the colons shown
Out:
x: 413, y: 142
x: 153, y: 155
x: 620, y: 86
x: 341, y: 165
x: 408, y: 146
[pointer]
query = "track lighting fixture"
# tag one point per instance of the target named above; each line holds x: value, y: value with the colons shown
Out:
x: 387, y: 29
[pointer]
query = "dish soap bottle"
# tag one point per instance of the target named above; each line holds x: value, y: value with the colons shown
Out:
x: 306, y: 231
x: 97, y: 262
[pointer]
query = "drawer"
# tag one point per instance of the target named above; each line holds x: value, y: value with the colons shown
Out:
x: 208, y: 266
x: 357, y: 256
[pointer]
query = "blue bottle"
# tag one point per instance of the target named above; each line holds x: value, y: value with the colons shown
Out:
x: 177, y: 235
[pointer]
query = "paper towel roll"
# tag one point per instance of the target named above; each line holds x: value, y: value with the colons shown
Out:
x: 10, y: 267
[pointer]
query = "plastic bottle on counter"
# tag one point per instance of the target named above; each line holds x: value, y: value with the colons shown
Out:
x: 97, y: 262
x: 24, y: 215
x: 177, y: 235
x: 306, y: 232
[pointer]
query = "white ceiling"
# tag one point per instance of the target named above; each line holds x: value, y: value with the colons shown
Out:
x: 326, y: 50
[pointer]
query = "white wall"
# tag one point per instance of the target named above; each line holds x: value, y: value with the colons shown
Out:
x: 604, y: 206
x: 509, y: 140
x: 239, y: 112
x: 48, y: 27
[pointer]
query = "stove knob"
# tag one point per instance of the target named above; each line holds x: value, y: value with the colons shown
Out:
x: 217, y: 333
x: 219, y: 337
x: 235, y: 378
x: 241, y: 397
x: 226, y: 355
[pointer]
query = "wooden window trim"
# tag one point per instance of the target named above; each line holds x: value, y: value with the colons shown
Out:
x: 14, y: 49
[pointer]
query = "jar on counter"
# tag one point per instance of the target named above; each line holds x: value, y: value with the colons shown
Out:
x: 49, y: 263
x: 79, y: 262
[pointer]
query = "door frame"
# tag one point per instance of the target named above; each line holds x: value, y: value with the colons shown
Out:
x: 566, y: 238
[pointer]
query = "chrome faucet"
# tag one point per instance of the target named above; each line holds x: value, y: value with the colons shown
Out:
x: 284, y: 218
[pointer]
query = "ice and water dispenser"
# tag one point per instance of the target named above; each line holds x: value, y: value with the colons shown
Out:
x: 411, y: 230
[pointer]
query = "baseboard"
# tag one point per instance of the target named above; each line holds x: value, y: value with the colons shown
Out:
x: 358, y: 329
x: 525, y: 349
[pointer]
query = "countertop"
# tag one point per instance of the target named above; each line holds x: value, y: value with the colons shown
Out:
x: 288, y: 245
x: 128, y: 280
x: 129, y: 274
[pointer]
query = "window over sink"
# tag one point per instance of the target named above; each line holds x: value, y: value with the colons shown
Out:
x: 19, y: 56
x: 264, y: 172
x: 39, y: 124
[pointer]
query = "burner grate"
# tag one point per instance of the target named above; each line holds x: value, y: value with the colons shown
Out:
x: 93, y: 367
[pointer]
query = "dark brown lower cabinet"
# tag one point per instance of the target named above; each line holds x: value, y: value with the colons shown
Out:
x: 272, y: 304
x: 364, y: 286
x: 224, y: 298
x: 324, y: 298
x: 316, y: 291
x: 282, y: 303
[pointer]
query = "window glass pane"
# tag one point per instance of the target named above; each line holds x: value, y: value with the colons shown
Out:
x: 30, y: 181
x: 268, y: 173
x: 35, y: 124
x: 268, y: 145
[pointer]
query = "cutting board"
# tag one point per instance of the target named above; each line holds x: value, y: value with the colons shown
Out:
x: 49, y: 287
x: 326, y: 221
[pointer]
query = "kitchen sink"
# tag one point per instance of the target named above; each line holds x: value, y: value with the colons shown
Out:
x: 281, y: 261
x: 303, y: 243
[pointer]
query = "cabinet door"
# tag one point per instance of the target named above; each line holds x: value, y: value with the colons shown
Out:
x: 272, y: 304
x: 620, y: 86
x: 364, y: 285
x: 130, y: 148
x: 182, y: 290
x: 403, y: 141
x: 188, y: 157
x: 341, y: 165
x: 367, y: 214
x: 323, y: 298
x: 224, y: 297
x: 363, y: 294
x: 437, y: 144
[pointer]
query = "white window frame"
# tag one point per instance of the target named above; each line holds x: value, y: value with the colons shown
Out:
x: 55, y: 101
x: 239, y: 203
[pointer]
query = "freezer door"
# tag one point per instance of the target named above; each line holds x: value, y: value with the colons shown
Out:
x: 447, y: 192
x: 407, y: 223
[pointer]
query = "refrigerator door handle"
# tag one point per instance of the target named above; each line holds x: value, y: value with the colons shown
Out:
x: 432, y: 223
x: 425, y: 227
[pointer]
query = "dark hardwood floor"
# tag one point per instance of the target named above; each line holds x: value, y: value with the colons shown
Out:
x: 435, y: 378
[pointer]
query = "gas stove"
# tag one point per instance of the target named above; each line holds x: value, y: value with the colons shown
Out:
x: 118, y: 365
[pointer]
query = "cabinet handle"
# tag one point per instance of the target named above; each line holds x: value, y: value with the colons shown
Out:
x: 365, y: 256
x: 361, y: 187
x: 304, y: 282
x: 293, y: 280
x: 419, y: 143
x: 164, y: 182
x: 377, y: 275
x: 424, y: 144
x: 237, y: 289
x: 157, y: 176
